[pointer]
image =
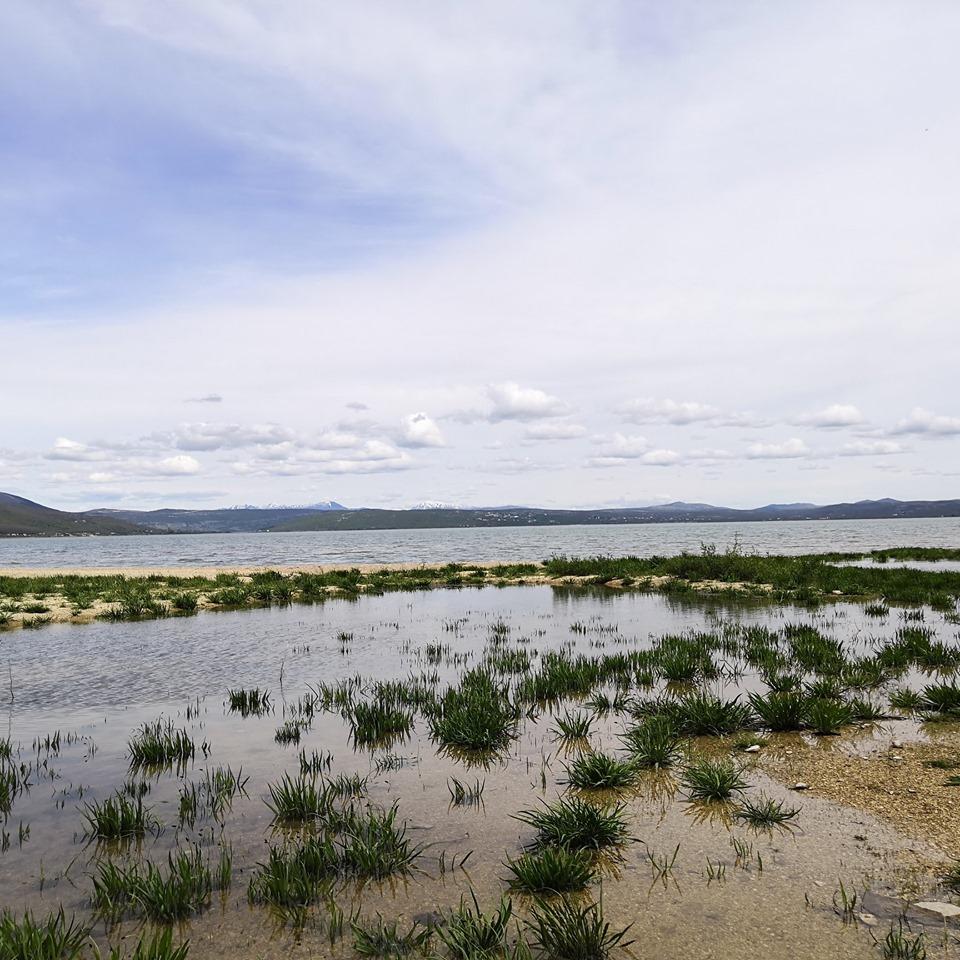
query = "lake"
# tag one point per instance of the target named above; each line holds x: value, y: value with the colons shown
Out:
x: 507, y: 544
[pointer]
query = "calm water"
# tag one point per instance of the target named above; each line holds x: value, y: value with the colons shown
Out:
x: 505, y: 544
x: 100, y: 681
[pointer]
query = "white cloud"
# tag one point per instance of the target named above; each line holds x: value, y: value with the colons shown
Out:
x: 72, y: 450
x: 176, y: 466
x: 207, y: 398
x: 650, y: 410
x: 223, y: 436
x: 871, y: 448
x: 835, y: 415
x: 418, y: 430
x: 513, y: 402
x: 923, y: 421
x: 554, y: 431
x: 787, y: 450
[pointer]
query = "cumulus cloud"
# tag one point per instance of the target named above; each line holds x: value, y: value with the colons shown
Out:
x: 223, y: 436
x: 835, y: 415
x: 72, y: 450
x: 513, y: 402
x: 871, y: 448
x: 419, y: 430
x: 680, y: 413
x: 621, y: 449
x: 787, y: 450
x: 922, y: 421
x: 552, y: 430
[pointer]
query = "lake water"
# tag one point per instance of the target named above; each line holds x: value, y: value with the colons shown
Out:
x: 98, y: 683
x: 508, y: 544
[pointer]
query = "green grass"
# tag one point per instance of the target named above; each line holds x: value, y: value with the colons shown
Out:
x: 476, y: 716
x: 253, y: 702
x: 701, y: 714
x: 653, y: 742
x: 564, y: 931
x: 119, y: 817
x: 301, y: 799
x: 828, y: 717
x: 572, y: 727
x: 377, y: 724
x: 780, y: 711
x: 385, y: 940
x: 712, y: 780
x: 765, y: 812
x: 575, y: 824
x: 158, y: 945
x: 471, y: 934
x: 147, y: 891
x: 551, y: 870
x: 52, y: 938
x: 465, y: 794
x: 160, y: 744
x: 600, y: 771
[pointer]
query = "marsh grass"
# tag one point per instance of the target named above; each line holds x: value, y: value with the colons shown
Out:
x: 301, y: 799
x: 465, y: 794
x: 476, y: 716
x: 600, y: 771
x: 52, y: 938
x: 469, y: 933
x: 572, y: 728
x: 551, y: 870
x: 158, y: 945
x: 653, y: 742
x: 900, y: 945
x: 382, y: 939
x: 160, y: 744
x: 766, y: 812
x: 254, y: 702
x: 782, y: 711
x: 828, y: 717
x: 707, y: 780
x: 119, y: 817
x: 147, y: 891
x: 564, y: 931
x: 575, y: 824
x: 379, y: 724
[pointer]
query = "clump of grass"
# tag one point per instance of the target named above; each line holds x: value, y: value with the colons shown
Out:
x: 780, y: 711
x: 577, y: 825
x: 941, y: 698
x: 374, y: 845
x: 384, y: 939
x: 573, y: 727
x: 702, y: 714
x: 290, y: 731
x: 746, y: 740
x: 551, y: 870
x: 300, y: 799
x: 119, y: 817
x: 476, y: 716
x: 876, y: 609
x: 906, y: 699
x: 53, y: 938
x: 254, y: 702
x: 158, y: 946
x: 295, y: 876
x: 713, y: 780
x: 828, y: 717
x: 897, y: 945
x: 147, y: 891
x: 766, y: 812
x: 377, y: 724
x: 160, y: 744
x: 653, y: 742
x: 600, y: 771
x: 469, y: 933
x: 465, y: 794
x: 564, y: 931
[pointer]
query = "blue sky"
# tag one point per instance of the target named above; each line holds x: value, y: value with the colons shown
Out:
x: 566, y: 254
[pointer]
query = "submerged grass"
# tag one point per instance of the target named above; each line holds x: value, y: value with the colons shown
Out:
x: 575, y: 824
x: 551, y: 870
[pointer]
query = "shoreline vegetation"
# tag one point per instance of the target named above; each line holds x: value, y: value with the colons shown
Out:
x: 31, y: 598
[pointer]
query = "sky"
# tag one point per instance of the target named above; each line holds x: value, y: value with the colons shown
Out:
x: 578, y: 254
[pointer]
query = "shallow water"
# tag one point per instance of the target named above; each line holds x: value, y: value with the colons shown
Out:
x: 100, y: 681
x: 505, y: 544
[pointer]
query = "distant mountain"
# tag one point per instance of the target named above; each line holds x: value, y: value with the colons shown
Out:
x: 24, y: 518
x: 19, y: 517
x: 368, y: 519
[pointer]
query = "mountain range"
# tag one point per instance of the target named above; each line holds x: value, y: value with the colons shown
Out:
x: 21, y: 517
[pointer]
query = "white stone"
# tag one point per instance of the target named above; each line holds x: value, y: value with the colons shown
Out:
x: 800, y: 786
x: 753, y: 748
x: 938, y: 907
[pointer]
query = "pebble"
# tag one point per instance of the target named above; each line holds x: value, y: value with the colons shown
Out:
x: 939, y: 908
x: 753, y: 748
x: 897, y: 744
x: 800, y: 786
x: 868, y: 919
